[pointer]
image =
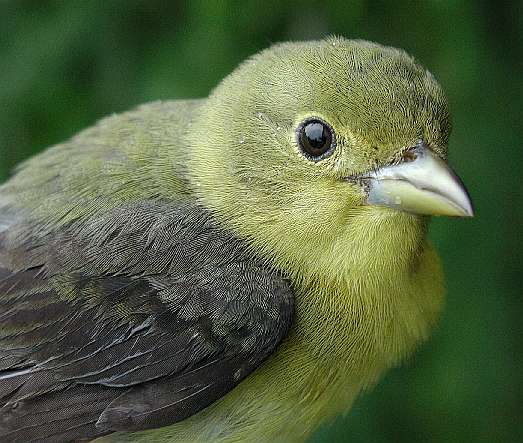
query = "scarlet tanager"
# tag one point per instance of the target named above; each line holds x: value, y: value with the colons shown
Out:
x: 229, y: 269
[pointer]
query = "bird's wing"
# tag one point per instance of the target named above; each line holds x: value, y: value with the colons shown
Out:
x: 131, y: 320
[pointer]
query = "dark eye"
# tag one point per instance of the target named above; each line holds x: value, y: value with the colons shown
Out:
x: 316, y: 139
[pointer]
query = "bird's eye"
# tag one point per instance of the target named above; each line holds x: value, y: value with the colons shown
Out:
x: 316, y: 139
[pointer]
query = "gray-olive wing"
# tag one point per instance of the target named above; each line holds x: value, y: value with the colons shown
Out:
x: 134, y: 319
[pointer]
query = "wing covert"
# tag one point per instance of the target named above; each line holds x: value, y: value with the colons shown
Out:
x: 134, y: 319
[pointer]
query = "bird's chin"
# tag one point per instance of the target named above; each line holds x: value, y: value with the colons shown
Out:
x: 399, y: 215
x: 392, y: 230
x: 379, y: 214
x: 406, y: 223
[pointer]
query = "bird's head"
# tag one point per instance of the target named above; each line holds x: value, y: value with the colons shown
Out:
x: 328, y: 151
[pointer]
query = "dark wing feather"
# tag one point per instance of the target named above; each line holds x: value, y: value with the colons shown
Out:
x: 135, y: 319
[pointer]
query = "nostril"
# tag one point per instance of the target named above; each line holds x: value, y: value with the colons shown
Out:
x: 409, y: 156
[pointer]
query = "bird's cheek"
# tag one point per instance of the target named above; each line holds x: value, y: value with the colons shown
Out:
x: 341, y: 201
x: 354, y: 194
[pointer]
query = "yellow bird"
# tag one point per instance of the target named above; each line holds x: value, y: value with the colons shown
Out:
x: 236, y: 268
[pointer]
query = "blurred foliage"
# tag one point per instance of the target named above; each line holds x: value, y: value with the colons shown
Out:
x: 63, y: 65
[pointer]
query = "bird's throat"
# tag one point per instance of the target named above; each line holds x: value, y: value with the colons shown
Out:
x: 375, y: 293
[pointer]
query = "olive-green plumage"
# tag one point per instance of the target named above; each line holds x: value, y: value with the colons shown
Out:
x: 367, y: 286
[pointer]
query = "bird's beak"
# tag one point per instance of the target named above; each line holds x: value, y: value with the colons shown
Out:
x: 422, y: 183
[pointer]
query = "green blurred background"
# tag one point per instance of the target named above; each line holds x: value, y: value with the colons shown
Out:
x: 63, y: 65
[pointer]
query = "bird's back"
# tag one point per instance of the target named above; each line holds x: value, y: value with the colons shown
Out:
x: 136, y: 155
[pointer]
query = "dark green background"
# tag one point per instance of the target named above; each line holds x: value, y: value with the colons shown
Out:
x: 63, y: 65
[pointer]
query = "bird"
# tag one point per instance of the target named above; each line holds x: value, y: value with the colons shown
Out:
x: 235, y: 268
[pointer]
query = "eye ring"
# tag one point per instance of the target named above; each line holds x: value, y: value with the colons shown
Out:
x: 316, y: 139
